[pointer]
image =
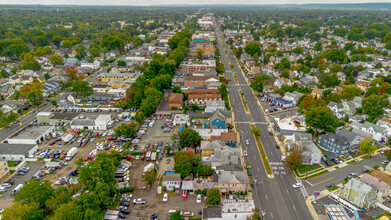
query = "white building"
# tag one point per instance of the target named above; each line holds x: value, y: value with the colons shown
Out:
x: 17, y: 152
x: 236, y: 209
x: 31, y: 135
x: 181, y: 120
x: 100, y: 123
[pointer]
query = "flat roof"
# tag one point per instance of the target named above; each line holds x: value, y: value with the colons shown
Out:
x: 237, y: 205
x: 32, y: 132
x: 16, y: 149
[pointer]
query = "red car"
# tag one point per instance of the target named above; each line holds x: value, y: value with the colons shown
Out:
x: 142, y: 157
x: 109, y: 110
x: 110, y: 138
x: 52, y: 143
x: 184, y: 195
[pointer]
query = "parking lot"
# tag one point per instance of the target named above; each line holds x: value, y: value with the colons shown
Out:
x: 6, y: 199
x: 274, y: 109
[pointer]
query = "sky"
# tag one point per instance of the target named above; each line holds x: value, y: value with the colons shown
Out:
x: 168, y: 2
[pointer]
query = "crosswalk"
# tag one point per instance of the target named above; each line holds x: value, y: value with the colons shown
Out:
x: 302, y: 189
x: 277, y: 168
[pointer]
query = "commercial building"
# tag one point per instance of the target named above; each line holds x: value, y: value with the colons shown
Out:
x: 17, y: 152
x: 31, y: 135
x: 106, y: 77
x: 99, y: 123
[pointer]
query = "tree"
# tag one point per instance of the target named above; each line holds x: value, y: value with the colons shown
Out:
x: 335, y: 68
x: 293, y: 159
x: 298, y: 50
x: 349, y: 92
x: 176, y: 89
x: 29, y: 62
x: 149, y: 177
x: 334, y: 97
x: 54, y: 103
x: 81, y: 52
x: 329, y: 80
x: 253, y: 48
x: 55, y: 60
x: 67, y: 44
x: 335, y: 55
x: 213, y: 197
x: 126, y: 130
x: 387, y: 153
x: 82, y: 88
x: 321, y: 118
x: 326, y: 92
x: 308, y: 102
x: 176, y: 215
x: 255, y: 215
x: 260, y: 81
x: 72, y: 74
x: 188, y: 138
x: 121, y: 63
x: 199, y: 54
x: 367, y: 146
x: 3, y: 73
x: 374, y: 105
x: 20, y: 211
x: 35, y: 192
x: 318, y: 46
x: 32, y: 91
x: 256, y: 131
x: 162, y: 82
x: 186, y: 164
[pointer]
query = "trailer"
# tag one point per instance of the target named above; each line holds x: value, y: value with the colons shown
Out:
x: 71, y: 153
x: 67, y: 137
x: 153, y: 156
x: 17, y: 188
x: 149, y: 167
x: 53, y: 164
x: 148, y: 156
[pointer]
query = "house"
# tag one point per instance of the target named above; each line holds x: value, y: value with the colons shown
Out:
x: 201, y: 99
x: 100, y: 88
x: 217, y: 120
x: 175, y: 101
x: 364, y: 86
x: 8, y: 107
x: 200, y: 81
x: 50, y: 87
x: 311, y: 154
x: 379, y: 181
x: 26, y: 80
x: 385, y: 123
x: 293, y: 96
x: 212, y: 106
x: 357, y: 102
x: 220, y: 155
x: 230, y: 138
x: 359, y: 193
x: 337, y: 109
x: 352, y: 138
x: 227, y: 181
x: 208, y: 147
x: 278, y: 83
x: 106, y: 77
x: 317, y: 93
x: 349, y: 107
x: 333, y: 143
x: 212, y: 213
x: 378, y: 133
x: 6, y: 90
x: 172, y: 181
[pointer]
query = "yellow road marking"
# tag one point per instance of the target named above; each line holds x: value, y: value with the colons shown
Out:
x: 322, y: 181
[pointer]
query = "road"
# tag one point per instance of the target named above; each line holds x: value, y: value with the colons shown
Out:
x: 275, y: 195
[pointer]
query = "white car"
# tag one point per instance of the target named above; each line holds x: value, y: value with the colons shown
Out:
x: 139, y: 201
x: 198, y: 198
x: 267, y: 110
x: 137, y: 157
x: 3, y: 189
x: 297, y: 185
x: 385, y: 162
x: 165, y: 197
x: 6, y: 185
x: 245, y: 153
x: 247, y: 142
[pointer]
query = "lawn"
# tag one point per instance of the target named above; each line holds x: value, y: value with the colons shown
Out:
x: 244, y: 101
x: 263, y: 154
x: 332, y: 188
x: 11, y: 163
x: 315, y: 175
x: 306, y: 168
x: 351, y: 161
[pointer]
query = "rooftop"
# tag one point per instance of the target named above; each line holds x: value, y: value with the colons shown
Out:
x: 32, y: 132
x: 16, y: 149
x: 237, y: 205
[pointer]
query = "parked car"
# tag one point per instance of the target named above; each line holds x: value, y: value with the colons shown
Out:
x: 247, y: 142
x: 198, y: 198
x: 297, y: 185
x: 165, y: 197
x: 139, y: 201
x: 329, y: 185
x: 188, y: 214
x: 365, y: 170
x: 184, y: 195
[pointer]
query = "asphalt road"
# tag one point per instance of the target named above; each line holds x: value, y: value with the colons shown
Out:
x: 337, y: 176
x: 274, y: 196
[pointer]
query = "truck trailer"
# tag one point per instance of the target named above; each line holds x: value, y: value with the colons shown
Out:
x: 71, y: 153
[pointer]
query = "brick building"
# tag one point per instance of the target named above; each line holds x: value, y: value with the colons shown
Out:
x: 175, y: 101
x: 201, y: 99
x: 200, y: 81
x: 192, y: 67
x: 202, y: 91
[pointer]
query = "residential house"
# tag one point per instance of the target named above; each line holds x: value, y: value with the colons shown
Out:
x: 364, y: 86
x: 6, y: 90
x: 212, y: 106
x: 208, y: 147
x: 378, y: 133
x: 293, y: 96
x: 26, y: 80
x: 181, y: 120
x: 217, y: 120
x: 349, y: 107
x: 172, y: 181
x: 176, y: 101
x: 50, y: 87
x: 317, y: 93
x: 333, y: 143
x: 230, y: 138
x: 8, y: 107
x: 227, y: 181
x: 212, y: 213
x: 352, y: 138
x: 100, y: 88
x: 337, y: 109
x: 221, y: 156
x: 359, y: 193
x: 385, y: 123
x: 278, y: 83
x: 379, y: 181
x: 200, y: 81
x: 311, y: 154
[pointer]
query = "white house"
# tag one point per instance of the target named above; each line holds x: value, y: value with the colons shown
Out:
x: 172, y: 181
x: 212, y: 106
x: 337, y: 109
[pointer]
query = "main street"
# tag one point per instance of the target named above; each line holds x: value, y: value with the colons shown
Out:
x: 275, y: 195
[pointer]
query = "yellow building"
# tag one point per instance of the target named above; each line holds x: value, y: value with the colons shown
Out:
x: 4, y: 171
x: 119, y: 84
x: 106, y: 77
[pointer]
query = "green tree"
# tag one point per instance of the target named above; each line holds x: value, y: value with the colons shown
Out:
x: 188, y: 138
x: 55, y: 60
x: 81, y: 52
x: 176, y: 216
x: 335, y: 68
x: 126, y: 130
x: 256, y: 131
x: 199, y: 54
x: 32, y: 91
x: 260, y: 81
x: 321, y: 118
x: 176, y: 89
x: 253, y: 48
x: 29, y: 62
x: 329, y: 80
x: 162, y: 82
x: 121, y: 63
x: 20, y: 211
x: 3, y: 73
x: 35, y: 192
x: 82, y: 88
x: 334, y: 97
x: 374, y: 105
x: 387, y: 153
x: 149, y: 177
x: 318, y: 46
x: 54, y: 103
x: 367, y: 146
x: 349, y: 92
x: 67, y: 44
x: 213, y: 197
x: 298, y: 50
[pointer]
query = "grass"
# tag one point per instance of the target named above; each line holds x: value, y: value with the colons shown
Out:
x: 11, y: 163
x: 315, y: 175
x: 332, y: 188
x: 263, y: 154
x: 236, y: 79
x: 383, y: 214
x: 12, y: 171
x: 351, y: 161
x: 307, y: 168
x: 244, y: 101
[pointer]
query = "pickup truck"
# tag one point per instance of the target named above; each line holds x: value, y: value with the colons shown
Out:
x: 139, y: 201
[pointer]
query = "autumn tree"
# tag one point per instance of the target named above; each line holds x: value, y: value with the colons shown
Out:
x: 367, y: 146
x: 32, y: 91
x: 293, y: 159
x: 72, y: 74
x: 55, y: 60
